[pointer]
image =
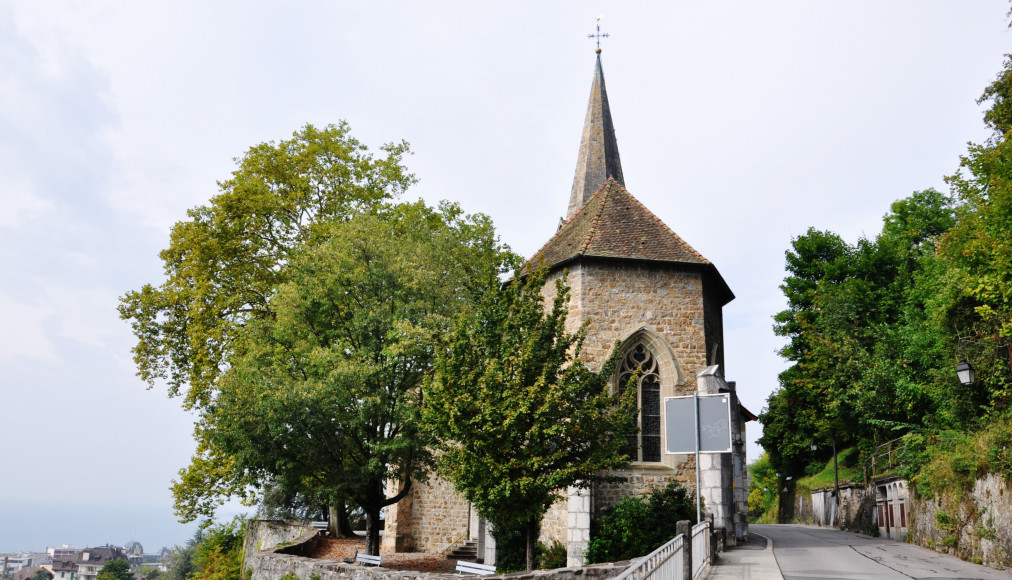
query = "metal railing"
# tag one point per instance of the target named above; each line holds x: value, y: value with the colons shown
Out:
x: 885, y: 458
x: 668, y: 561
x: 700, y: 548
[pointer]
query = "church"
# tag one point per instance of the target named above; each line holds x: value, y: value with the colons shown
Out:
x: 636, y: 281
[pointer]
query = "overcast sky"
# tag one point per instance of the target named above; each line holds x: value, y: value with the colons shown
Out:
x: 740, y: 124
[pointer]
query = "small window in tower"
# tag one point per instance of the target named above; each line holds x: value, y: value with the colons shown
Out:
x: 645, y: 445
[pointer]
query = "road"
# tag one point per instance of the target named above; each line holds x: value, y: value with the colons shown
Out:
x: 804, y: 552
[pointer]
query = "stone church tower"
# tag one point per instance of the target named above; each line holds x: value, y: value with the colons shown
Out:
x: 637, y: 282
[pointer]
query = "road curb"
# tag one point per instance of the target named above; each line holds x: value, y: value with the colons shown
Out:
x: 769, y: 541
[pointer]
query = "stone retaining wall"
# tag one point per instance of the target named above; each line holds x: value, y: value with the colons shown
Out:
x: 290, y: 541
x: 977, y: 528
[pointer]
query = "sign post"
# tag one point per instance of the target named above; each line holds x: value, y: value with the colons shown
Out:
x: 708, y: 430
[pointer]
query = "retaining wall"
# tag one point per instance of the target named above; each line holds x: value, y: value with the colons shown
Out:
x: 278, y: 560
x: 977, y: 527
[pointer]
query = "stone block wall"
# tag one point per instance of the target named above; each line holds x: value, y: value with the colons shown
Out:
x: 439, y: 515
x: 977, y: 527
x: 635, y: 482
x: 555, y: 522
x: 268, y: 534
x: 620, y: 298
x: 271, y: 566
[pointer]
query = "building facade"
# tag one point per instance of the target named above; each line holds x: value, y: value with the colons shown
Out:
x: 633, y: 280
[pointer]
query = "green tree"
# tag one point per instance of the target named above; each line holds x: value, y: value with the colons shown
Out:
x: 518, y: 415
x: 149, y: 572
x: 978, y: 252
x: 225, y: 262
x: 763, y: 485
x: 860, y: 341
x: 180, y: 562
x: 326, y: 394
x: 219, y: 554
x: 118, y: 569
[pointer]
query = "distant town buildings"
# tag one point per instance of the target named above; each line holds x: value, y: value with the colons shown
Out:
x: 69, y: 563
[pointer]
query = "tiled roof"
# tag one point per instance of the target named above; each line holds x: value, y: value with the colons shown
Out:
x: 64, y: 564
x: 614, y: 224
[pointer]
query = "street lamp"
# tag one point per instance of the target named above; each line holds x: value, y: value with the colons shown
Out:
x: 814, y: 447
x: 965, y: 373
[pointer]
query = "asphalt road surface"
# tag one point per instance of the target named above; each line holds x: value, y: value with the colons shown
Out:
x: 804, y: 552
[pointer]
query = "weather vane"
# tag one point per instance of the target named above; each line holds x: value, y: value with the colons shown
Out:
x: 598, y: 35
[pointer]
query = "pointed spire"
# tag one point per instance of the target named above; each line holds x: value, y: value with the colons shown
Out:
x: 598, y: 158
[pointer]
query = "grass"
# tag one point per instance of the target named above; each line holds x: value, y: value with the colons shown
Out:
x: 850, y: 471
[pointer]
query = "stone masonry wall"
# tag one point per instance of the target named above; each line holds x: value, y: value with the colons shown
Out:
x: 553, y: 526
x: 976, y: 528
x: 275, y: 562
x: 438, y: 515
x: 271, y: 566
x: 635, y: 482
x: 620, y: 298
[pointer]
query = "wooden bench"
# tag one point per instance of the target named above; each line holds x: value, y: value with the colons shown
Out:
x: 473, y: 568
x: 368, y: 560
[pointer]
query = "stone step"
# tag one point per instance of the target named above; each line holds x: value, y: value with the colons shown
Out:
x: 465, y: 551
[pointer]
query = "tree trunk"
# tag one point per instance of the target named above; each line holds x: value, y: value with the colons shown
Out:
x: 532, y: 537
x: 372, y: 532
x: 339, y: 525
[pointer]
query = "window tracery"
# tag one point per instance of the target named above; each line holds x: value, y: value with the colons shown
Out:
x: 646, y: 444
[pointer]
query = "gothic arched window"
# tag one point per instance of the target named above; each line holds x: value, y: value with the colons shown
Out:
x: 645, y: 445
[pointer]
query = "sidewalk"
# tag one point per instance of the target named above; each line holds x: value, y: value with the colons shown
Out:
x: 749, y: 560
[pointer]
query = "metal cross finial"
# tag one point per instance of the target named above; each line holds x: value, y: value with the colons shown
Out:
x: 598, y: 35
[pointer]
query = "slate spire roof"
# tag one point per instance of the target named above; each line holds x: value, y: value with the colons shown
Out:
x: 598, y: 160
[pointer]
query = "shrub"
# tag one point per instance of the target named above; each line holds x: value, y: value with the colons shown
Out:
x: 553, y: 556
x: 510, y: 549
x: 638, y: 525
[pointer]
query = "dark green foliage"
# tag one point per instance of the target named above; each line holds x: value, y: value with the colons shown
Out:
x: 511, y: 552
x: 864, y: 346
x: 180, y: 562
x: 115, y: 570
x: 762, y: 495
x: 637, y: 526
x: 510, y: 549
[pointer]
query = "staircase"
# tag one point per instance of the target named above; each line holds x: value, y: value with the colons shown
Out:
x: 467, y: 551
